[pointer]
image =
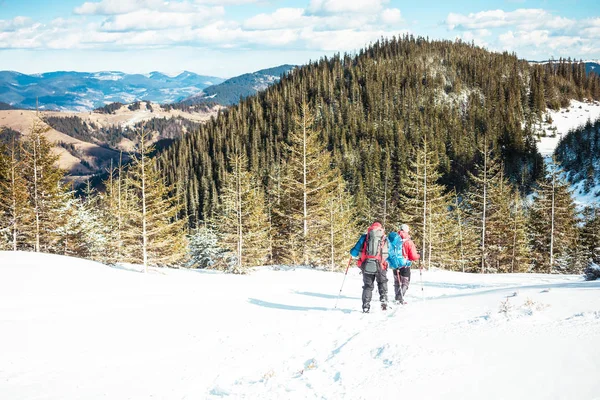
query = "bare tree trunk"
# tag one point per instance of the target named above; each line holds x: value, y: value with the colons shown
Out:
x: 460, y: 236
x: 13, y: 180
x: 485, y: 183
x: 120, y: 210
x: 36, y: 199
x: 425, y: 196
x: 512, y: 268
x: 331, y: 224
x: 304, y: 189
x: 552, y: 223
x: 385, y: 198
x: 238, y: 184
x: 144, y: 222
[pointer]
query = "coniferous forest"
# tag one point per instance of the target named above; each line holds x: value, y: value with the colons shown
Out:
x: 437, y: 134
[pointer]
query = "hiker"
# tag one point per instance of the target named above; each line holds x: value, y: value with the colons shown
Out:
x: 402, y: 252
x: 372, y: 252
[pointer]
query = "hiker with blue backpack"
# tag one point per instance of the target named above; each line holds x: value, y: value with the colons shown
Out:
x: 402, y: 252
x: 372, y: 253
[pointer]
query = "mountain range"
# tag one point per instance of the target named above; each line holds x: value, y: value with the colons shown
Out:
x: 83, y: 91
x: 232, y: 90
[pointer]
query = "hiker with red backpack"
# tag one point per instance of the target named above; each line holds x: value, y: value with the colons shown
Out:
x: 402, y: 252
x: 372, y: 252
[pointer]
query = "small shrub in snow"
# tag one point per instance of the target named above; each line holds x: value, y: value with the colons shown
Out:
x: 505, y: 307
x: 592, y: 272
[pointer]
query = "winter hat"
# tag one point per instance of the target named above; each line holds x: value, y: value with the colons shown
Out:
x: 404, y: 228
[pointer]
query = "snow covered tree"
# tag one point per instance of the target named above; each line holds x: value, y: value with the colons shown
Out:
x: 154, y: 235
x: 242, y: 220
x: 553, y: 225
x: 204, y: 248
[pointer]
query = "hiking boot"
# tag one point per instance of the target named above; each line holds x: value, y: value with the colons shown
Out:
x: 365, y: 309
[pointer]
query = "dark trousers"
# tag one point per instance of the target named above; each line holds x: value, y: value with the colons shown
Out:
x: 401, y: 282
x: 369, y: 285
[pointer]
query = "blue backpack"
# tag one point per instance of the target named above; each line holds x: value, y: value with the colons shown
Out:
x: 395, y: 257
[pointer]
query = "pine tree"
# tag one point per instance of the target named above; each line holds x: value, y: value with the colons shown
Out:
x: 590, y: 234
x: 426, y: 209
x: 154, y: 236
x: 553, y: 225
x: 342, y: 225
x: 489, y: 212
x: 15, y: 212
x: 242, y: 220
x: 308, y: 185
x: 45, y: 189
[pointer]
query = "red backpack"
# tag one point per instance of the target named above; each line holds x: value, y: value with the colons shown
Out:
x: 371, y: 258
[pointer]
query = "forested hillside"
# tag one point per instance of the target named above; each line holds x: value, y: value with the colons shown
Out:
x: 436, y: 134
x: 373, y: 109
x: 401, y: 126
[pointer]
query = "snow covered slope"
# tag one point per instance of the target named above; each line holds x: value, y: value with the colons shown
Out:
x: 565, y: 119
x: 74, y: 329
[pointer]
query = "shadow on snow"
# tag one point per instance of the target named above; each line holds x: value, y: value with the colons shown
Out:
x: 326, y: 296
x: 268, y: 304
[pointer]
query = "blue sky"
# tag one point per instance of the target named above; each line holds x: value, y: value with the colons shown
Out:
x: 229, y: 37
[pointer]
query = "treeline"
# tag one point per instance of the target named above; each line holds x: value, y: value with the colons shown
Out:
x: 579, y: 154
x: 109, y: 108
x: 165, y: 128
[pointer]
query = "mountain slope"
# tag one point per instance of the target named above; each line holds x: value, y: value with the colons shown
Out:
x: 230, y: 91
x: 374, y: 109
x: 172, y: 334
x: 64, y: 90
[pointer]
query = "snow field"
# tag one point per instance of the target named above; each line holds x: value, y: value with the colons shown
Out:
x: 73, y: 329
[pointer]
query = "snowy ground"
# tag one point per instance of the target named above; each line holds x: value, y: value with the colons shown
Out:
x: 74, y: 329
x: 565, y: 119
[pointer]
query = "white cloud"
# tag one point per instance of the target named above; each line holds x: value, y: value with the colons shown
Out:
x: 391, y: 16
x: 113, y: 7
x: 281, y: 18
x: 14, y: 24
x: 521, y: 18
x: 156, y: 20
x: 346, y: 6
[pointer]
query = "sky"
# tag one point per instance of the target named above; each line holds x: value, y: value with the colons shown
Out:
x: 225, y: 38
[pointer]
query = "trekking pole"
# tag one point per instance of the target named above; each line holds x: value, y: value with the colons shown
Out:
x: 340, y: 294
x: 421, y: 273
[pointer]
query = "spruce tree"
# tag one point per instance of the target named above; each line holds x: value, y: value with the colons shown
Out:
x: 154, y: 235
x: 45, y: 189
x: 553, y: 225
x: 15, y: 210
x: 426, y: 208
x: 242, y: 220
x: 308, y: 184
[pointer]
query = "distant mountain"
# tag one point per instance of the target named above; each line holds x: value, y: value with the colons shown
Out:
x: 230, y: 91
x: 592, y: 66
x: 4, y: 106
x: 83, y: 91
